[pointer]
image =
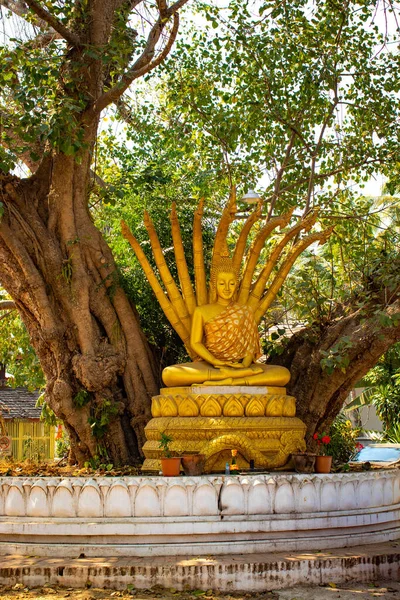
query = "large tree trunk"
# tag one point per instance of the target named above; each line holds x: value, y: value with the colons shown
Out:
x: 54, y: 262
x: 356, y: 339
x: 99, y: 368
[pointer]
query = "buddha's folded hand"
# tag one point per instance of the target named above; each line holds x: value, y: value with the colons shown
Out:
x: 220, y: 364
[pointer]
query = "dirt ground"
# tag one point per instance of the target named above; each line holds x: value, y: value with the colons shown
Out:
x: 60, y: 468
x: 349, y: 591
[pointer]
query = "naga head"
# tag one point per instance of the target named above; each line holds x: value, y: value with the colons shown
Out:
x: 253, y: 287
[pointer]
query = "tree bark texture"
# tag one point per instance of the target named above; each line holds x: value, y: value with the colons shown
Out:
x: 63, y: 279
x: 55, y: 264
x: 321, y: 394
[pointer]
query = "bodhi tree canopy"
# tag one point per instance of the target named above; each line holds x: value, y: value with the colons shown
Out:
x: 303, y: 93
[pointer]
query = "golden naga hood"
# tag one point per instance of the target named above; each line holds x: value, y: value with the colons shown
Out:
x: 257, y: 288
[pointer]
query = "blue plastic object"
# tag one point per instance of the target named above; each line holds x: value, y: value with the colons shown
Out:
x: 378, y: 453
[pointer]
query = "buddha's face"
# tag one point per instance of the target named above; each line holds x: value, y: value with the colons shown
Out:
x: 226, y: 285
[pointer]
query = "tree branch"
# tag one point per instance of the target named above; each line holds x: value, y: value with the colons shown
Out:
x: 43, y: 39
x: 162, y: 7
x: 145, y: 63
x: 7, y: 305
x: 175, y: 7
x: 51, y: 20
x: 5, y: 315
x: 314, y: 157
x: 24, y: 156
x: 280, y: 173
x: 98, y: 180
x: 322, y: 176
x: 20, y: 9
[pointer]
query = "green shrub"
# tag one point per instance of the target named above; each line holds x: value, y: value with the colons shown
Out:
x: 343, y: 439
x: 392, y: 434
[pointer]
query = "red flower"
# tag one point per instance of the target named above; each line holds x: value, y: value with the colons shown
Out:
x: 59, y: 432
x: 359, y: 446
x: 326, y: 439
x: 315, y: 436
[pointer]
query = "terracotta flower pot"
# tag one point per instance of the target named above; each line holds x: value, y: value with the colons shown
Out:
x: 304, y: 462
x: 193, y: 464
x: 323, y: 464
x: 171, y: 467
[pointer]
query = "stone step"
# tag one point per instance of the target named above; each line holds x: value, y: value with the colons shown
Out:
x: 228, y: 573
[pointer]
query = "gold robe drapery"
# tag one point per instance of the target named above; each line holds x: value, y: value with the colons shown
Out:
x: 233, y: 334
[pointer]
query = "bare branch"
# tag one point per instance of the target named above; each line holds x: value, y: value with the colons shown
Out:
x: 43, y: 39
x: 98, y: 180
x: 5, y: 315
x: 281, y: 173
x: 51, y: 20
x: 162, y: 56
x: 145, y: 63
x: 20, y: 9
x: 7, y: 305
x: 162, y: 7
x: 175, y: 7
x: 326, y: 175
x: 315, y: 154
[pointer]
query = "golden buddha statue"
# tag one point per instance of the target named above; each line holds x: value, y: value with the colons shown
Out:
x: 218, y: 324
x: 224, y: 335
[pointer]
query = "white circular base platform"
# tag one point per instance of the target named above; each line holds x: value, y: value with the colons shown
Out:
x: 156, y: 516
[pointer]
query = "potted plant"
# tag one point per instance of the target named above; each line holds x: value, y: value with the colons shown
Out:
x: 193, y: 464
x: 323, y: 463
x: 304, y: 462
x: 170, y: 465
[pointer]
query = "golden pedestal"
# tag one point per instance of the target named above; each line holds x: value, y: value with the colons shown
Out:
x: 258, y: 421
